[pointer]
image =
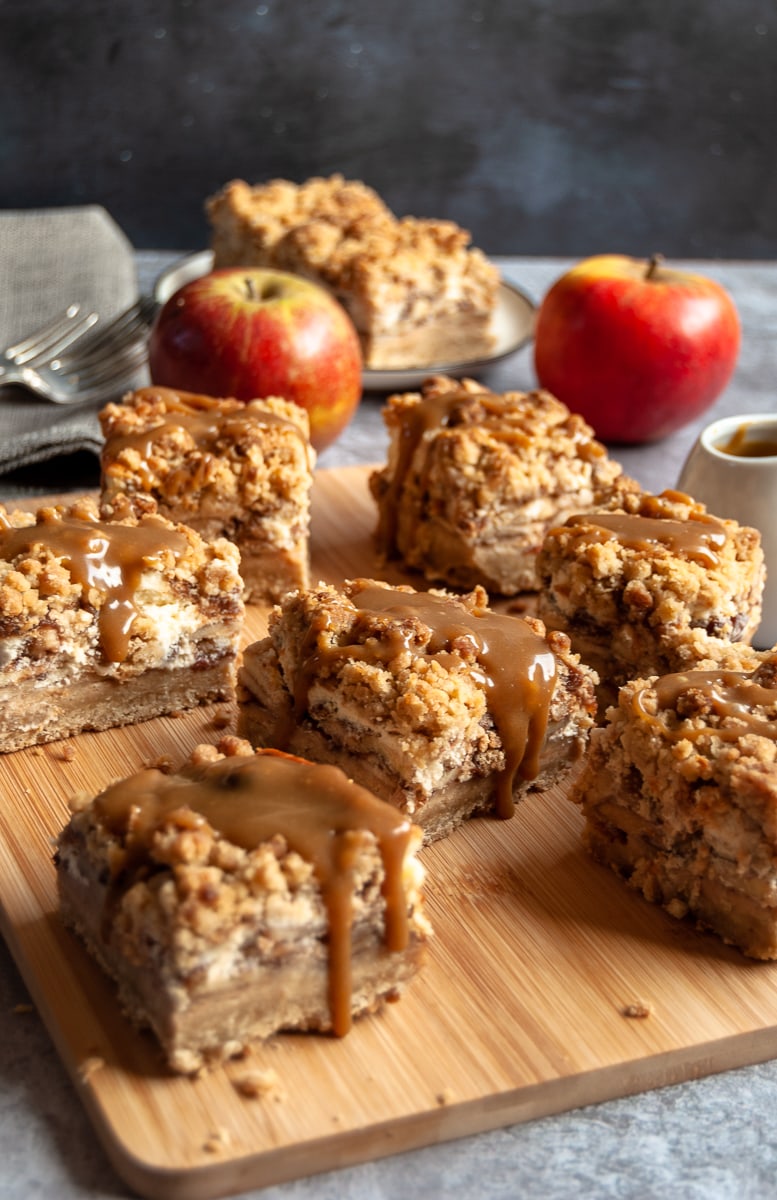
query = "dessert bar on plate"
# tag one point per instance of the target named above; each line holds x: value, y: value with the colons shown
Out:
x: 474, y: 479
x: 650, y: 585
x: 106, y: 623
x: 435, y: 702
x: 249, y: 893
x: 225, y: 468
x: 679, y: 793
x: 417, y: 292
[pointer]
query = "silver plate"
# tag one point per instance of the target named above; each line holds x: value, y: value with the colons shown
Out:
x: 513, y: 326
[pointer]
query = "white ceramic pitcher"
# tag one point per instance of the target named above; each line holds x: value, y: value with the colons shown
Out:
x: 732, y: 469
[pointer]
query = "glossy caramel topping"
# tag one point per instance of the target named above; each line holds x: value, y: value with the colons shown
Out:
x: 733, y: 694
x: 741, y: 446
x: 206, y: 423
x: 110, y: 558
x: 698, y: 539
x: 249, y: 799
x: 514, y: 665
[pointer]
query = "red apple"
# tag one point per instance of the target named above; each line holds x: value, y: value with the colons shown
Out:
x: 637, y: 348
x: 251, y: 333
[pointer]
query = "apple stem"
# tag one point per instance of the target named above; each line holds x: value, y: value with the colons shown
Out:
x: 268, y: 291
x: 655, y: 261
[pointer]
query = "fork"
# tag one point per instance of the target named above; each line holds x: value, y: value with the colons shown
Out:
x: 46, y: 343
x: 97, y: 366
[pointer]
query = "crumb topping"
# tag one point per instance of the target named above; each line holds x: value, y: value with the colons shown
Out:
x: 340, y: 233
x: 613, y: 579
x: 475, y: 478
x: 191, y: 452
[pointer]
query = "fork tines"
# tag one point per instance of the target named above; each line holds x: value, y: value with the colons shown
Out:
x: 125, y: 330
x: 52, y: 339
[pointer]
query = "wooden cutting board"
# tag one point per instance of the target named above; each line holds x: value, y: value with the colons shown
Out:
x: 520, y: 1010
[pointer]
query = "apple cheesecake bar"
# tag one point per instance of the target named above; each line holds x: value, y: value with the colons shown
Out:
x: 226, y: 468
x: 679, y: 794
x: 650, y: 585
x: 441, y: 706
x: 416, y: 290
x: 246, y: 894
x: 474, y: 479
x: 106, y: 623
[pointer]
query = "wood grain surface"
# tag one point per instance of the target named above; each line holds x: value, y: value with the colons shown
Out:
x: 520, y: 1010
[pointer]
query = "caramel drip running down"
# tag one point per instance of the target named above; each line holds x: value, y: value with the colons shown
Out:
x: 108, y: 557
x: 731, y: 694
x: 205, y: 424
x: 248, y: 800
x: 514, y: 665
x: 698, y: 539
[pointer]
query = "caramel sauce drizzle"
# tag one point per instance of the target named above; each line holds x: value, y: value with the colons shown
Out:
x: 206, y: 424
x: 108, y: 557
x: 514, y: 665
x: 248, y: 800
x: 730, y: 694
x: 699, y: 539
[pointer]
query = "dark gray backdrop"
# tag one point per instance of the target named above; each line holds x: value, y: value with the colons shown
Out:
x: 544, y: 126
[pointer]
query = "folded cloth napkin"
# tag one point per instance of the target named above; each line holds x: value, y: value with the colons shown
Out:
x: 50, y: 258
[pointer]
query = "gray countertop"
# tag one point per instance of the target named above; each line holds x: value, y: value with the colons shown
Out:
x: 709, y: 1139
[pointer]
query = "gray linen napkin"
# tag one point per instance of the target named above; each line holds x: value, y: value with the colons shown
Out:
x: 50, y: 258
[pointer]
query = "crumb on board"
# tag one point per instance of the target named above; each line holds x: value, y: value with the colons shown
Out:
x: 90, y: 1066
x: 218, y: 1140
x: 637, y: 1009
x: 444, y: 1097
x: 163, y: 763
x: 258, y: 1084
x: 222, y: 720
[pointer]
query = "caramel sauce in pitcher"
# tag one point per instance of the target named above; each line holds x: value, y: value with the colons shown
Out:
x: 109, y: 558
x: 248, y: 800
x: 740, y: 446
x: 513, y: 663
